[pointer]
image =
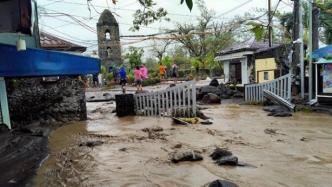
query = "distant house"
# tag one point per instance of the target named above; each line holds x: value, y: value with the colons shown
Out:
x: 51, y: 42
x: 254, y: 62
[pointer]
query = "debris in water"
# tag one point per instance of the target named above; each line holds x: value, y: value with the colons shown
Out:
x: 206, y: 122
x: 91, y: 143
x: 179, y: 121
x: 219, y: 153
x: 178, y: 146
x: 176, y: 157
x: 228, y: 160
x: 222, y: 183
x: 270, y: 131
x: 123, y: 149
x: 153, y: 129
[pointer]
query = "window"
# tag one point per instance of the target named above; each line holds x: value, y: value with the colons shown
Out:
x: 266, y: 76
x: 108, y: 35
x: 109, y: 52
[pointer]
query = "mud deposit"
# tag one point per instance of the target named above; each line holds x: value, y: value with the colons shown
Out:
x: 134, y: 151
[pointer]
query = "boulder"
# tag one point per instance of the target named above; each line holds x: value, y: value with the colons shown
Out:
x: 214, y: 83
x: 211, y: 98
x: 185, y: 156
x: 201, y: 115
x: 222, y: 183
x: 206, y: 90
x: 219, y: 153
x: 228, y: 160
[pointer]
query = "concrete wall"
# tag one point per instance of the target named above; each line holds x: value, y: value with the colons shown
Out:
x: 32, y: 99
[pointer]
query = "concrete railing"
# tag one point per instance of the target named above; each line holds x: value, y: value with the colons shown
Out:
x: 179, y: 100
x: 280, y: 86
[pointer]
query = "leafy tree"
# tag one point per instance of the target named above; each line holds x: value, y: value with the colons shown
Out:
x: 148, y: 14
x: 206, y: 36
x: 134, y: 56
x: 160, y: 49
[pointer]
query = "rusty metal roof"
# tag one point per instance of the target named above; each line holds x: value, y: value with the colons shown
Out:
x: 51, y: 42
x: 249, y: 45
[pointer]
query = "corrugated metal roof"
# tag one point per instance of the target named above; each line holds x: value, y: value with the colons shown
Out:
x: 249, y: 45
x: 51, y: 42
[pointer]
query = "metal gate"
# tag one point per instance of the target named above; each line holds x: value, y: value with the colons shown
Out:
x: 175, y: 101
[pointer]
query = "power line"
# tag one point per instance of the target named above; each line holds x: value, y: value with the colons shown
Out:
x: 233, y: 9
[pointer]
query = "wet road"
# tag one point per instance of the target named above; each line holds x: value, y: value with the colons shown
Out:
x: 295, y: 151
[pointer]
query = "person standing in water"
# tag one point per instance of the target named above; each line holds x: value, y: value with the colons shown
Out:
x: 175, y: 72
x: 144, y: 72
x: 123, y: 78
x: 138, y: 78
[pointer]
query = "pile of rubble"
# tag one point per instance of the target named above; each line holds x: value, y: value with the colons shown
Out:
x: 214, y: 92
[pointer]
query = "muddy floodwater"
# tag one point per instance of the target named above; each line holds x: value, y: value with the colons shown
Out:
x: 294, y: 151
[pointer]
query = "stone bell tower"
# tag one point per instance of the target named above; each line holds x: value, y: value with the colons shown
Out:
x: 109, y: 48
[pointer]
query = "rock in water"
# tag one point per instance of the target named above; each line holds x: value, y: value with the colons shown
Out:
x: 222, y: 183
x: 211, y: 98
x: 206, y: 90
x: 185, y: 156
x: 214, y: 83
x: 219, y: 153
x: 91, y: 143
x: 228, y: 160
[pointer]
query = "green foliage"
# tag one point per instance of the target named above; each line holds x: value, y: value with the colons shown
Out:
x: 134, y: 56
x: 189, y: 4
x: 103, y: 69
x: 167, y: 61
x: 109, y: 76
x: 151, y: 81
x: 258, y: 29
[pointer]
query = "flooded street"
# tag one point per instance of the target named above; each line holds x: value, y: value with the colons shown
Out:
x: 295, y: 151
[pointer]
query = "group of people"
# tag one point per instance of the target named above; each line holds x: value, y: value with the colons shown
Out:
x: 174, y: 72
x: 140, y: 74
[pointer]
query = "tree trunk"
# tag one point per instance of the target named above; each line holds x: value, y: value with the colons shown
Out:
x: 315, y: 27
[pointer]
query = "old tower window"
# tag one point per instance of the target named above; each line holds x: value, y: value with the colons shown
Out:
x: 108, y: 35
x: 109, y: 52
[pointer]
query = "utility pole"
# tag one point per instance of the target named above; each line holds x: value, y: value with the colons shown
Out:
x: 310, y: 43
x: 270, y: 23
x: 301, y: 48
x: 296, y: 46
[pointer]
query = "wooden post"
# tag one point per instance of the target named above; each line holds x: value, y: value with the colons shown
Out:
x: 4, y: 103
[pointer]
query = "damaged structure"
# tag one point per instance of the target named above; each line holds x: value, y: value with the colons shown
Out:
x: 254, y: 62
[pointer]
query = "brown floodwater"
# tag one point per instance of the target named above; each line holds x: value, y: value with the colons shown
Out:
x: 299, y: 153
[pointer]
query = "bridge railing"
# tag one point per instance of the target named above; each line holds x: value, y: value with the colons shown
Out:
x: 179, y: 100
x: 280, y: 86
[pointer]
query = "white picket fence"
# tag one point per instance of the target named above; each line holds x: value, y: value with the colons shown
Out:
x: 179, y: 100
x: 280, y: 86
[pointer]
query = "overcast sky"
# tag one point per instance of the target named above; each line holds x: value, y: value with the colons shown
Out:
x: 124, y: 9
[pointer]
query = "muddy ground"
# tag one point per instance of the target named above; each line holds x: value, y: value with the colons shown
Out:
x: 111, y: 151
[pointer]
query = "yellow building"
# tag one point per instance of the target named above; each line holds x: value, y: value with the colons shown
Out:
x: 264, y: 69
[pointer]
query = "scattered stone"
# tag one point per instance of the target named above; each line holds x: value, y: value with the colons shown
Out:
x: 153, y: 129
x: 172, y: 85
x: 211, y: 98
x: 206, y: 90
x: 176, y: 157
x: 228, y: 160
x: 270, y: 131
x: 222, y: 183
x: 91, y: 143
x: 219, y: 153
x: 238, y: 94
x: 201, y: 115
x: 106, y: 94
x: 277, y: 111
x: 123, y: 149
x: 206, y: 122
x: 214, y: 82
x: 303, y: 139
x: 178, y: 146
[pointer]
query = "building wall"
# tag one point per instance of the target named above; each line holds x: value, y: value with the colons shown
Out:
x: 265, y: 66
x: 31, y: 99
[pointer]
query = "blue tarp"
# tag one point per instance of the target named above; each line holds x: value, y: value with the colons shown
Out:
x: 322, y: 52
x: 39, y: 62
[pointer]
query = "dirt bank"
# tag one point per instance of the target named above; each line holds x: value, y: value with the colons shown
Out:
x: 20, y: 153
x: 294, y: 151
